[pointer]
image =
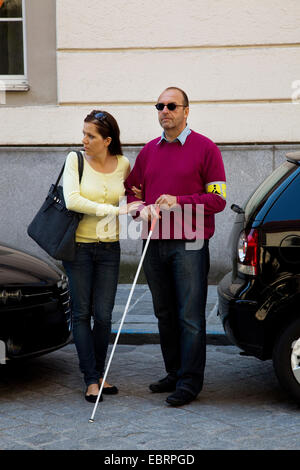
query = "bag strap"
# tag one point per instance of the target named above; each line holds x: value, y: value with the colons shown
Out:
x: 80, y: 168
x: 80, y: 164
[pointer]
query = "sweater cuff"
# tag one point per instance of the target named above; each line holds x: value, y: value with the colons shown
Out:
x: 106, y: 209
x: 179, y: 200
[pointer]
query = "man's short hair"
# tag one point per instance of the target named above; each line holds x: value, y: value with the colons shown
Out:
x: 185, y: 97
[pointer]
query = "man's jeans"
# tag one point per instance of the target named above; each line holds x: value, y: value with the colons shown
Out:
x: 93, y: 279
x: 177, y: 278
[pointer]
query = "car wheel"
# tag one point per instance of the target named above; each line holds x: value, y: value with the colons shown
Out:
x: 286, y: 359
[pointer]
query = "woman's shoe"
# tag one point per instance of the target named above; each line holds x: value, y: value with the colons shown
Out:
x: 110, y: 390
x: 92, y: 398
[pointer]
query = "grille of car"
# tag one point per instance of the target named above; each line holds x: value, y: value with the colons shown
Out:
x: 65, y: 300
x: 24, y: 295
x: 35, y: 295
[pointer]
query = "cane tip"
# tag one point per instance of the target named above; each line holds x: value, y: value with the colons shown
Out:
x: 91, y: 420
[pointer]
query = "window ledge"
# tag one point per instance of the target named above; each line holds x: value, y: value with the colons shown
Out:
x: 13, y: 86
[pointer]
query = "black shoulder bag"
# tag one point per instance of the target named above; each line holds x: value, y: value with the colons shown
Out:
x: 54, y: 226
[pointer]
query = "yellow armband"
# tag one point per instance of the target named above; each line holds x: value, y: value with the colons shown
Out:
x: 217, y: 187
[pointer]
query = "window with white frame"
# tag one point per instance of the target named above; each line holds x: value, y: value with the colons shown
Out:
x: 12, y: 45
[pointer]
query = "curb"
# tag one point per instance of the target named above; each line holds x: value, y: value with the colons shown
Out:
x: 144, y: 337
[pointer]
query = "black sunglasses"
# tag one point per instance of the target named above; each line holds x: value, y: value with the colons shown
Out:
x: 170, y: 106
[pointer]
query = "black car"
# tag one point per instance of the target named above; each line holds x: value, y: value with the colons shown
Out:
x: 34, y: 306
x: 259, y: 300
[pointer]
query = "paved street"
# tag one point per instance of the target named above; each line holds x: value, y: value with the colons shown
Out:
x: 240, y: 407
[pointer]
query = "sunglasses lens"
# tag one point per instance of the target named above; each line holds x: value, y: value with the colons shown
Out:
x: 171, y: 106
x: 100, y: 116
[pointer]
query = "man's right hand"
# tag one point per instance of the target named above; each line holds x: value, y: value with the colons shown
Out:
x: 149, y: 212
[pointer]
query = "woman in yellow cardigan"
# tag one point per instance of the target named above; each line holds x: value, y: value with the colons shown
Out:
x: 93, y: 275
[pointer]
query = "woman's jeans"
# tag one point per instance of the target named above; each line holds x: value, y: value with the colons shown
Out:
x: 177, y: 278
x: 93, y: 279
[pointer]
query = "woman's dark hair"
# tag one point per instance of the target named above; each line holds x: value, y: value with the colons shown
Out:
x: 107, y: 126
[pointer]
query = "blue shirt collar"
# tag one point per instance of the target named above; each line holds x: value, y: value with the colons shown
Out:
x: 181, y: 138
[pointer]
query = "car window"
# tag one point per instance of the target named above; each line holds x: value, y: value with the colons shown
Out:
x: 267, y: 187
x: 287, y: 206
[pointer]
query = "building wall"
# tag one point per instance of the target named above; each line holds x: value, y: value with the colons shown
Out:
x: 237, y: 61
x: 27, y: 173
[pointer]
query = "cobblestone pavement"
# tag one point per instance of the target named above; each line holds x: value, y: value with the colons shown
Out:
x: 240, y: 407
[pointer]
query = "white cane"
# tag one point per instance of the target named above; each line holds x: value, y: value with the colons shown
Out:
x: 91, y: 420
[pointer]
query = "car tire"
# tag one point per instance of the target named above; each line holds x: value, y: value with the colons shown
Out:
x: 286, y: 359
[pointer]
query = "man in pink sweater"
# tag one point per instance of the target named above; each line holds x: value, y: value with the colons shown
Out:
x: 182, y: 172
